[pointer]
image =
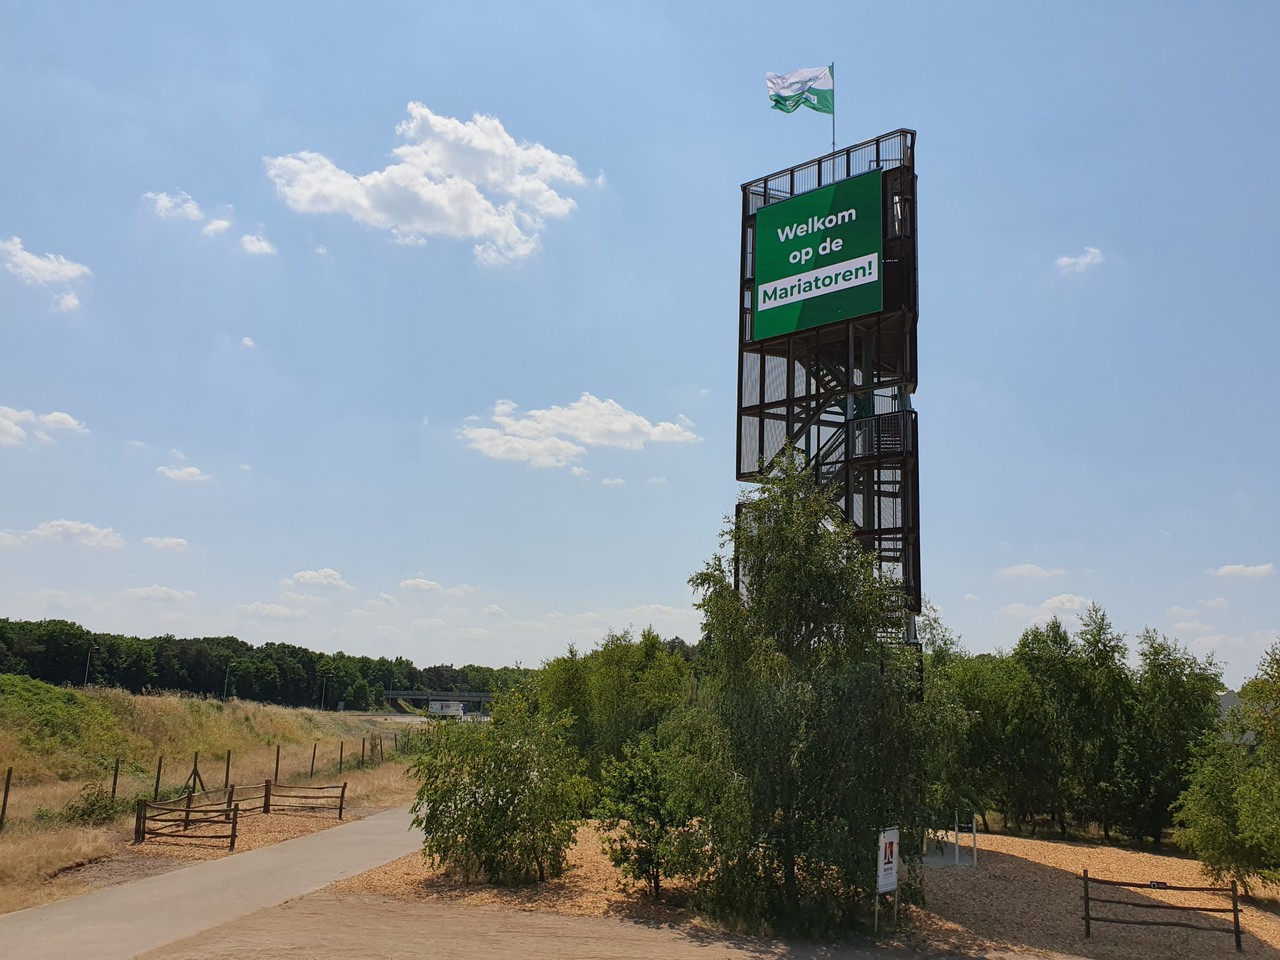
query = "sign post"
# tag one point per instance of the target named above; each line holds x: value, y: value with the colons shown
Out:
x: 887, y: 853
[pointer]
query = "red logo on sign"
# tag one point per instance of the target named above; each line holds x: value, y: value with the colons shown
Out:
x: 888, y: 852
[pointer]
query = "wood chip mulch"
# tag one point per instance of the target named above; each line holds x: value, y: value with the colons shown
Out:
x: 252, y: 832
x: 1026, y: 896
x: 590, y: 886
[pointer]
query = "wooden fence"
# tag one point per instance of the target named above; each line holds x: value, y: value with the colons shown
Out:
x: 170, y: 818
x: 1091, y: 918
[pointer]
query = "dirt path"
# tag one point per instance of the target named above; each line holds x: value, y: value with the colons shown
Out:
x: 327, y: 925
x: 123, y: 921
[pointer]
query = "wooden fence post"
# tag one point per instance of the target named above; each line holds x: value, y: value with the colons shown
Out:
x: 313, y: 760
x: 231, y: 794
x: 362, y: 739
x: 266, y: 797
x: 4, y: 804
x: 1235, y: 915
x: 341, y: 745
x: 342, y: 799
x: 395, y: 742
x: 226, y: 774
x: 1086, y: 903
x: 115, y: 778
x: 277, y: 776
x: 186, y: 811
x: 235, y: 820
x: 140, y: 822
x: 159, y: 766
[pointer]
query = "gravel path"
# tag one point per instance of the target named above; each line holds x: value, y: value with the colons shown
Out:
x: 129, y: 919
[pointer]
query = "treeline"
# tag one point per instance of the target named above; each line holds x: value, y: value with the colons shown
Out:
x: 1063, y: 731
x: 58, y: 651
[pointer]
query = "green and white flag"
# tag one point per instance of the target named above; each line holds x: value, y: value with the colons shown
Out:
x: 814, y: 87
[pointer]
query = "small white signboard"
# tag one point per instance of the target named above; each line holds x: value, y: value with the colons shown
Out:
x: 887, y: 861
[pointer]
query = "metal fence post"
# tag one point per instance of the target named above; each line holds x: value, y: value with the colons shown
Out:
x: 115, y: 778
x: 159, y: 765
x: 1086, y: 904
x: 277, y: 776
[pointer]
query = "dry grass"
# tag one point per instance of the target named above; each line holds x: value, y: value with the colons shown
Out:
x: 33, y: 855
x: 31, y: 858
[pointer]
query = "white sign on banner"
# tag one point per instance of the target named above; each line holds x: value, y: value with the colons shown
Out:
x: 887, y: 861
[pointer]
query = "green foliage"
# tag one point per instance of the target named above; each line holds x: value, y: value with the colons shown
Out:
x: 93, y: 807
x: 808, y: 733
x: 500, y: 801
x: 79, y: 734
x: 646, y: 831
x: 619, y: 690
x: 1229, y: 816
x: 58, y: 652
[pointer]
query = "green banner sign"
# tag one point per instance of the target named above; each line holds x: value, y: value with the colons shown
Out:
x: 818, y: 257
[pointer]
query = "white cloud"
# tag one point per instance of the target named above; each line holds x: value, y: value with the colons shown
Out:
x: 50, y: 268
x: 181, y: 206
x: 247, y: 342
x: 12, y: 433
x: 78, y: 532
x: 178, y: 454
x: 135, y: 443
x: 493, y: 610
x: 462, y: 590
x: 382, y: 600
x: 1069, y: 265
x: 556, y: 436
x: 657, y: 481
x: 613, y: 482
x: 291, y: 597
x: 184, y: 474
x: 159, y: 594
x: 1180, y: 613
x: 215, y: 227
x: 579, y: 472
x: 431, y: 623
x: 322, y: 250
x: 1191, y: 627
x: 426, y: 421
x: 257, y: 245
x: 1031, y: 571
x: 971, y: 596
x: 327, y: 577
x: 1054, y: 606
x: 359, y: 614
x: 165, y: 543
x: 273, y: 611
x: 418, y: 583
x: 478, y: 633
x: 8, y: 539
x: 469, y: 180
x: 245, y: 466
x: 65, y: 302
x: 1212, y: 604
x: 1243, y: 570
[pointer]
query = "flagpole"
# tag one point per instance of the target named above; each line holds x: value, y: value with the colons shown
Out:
x: 833, y: 106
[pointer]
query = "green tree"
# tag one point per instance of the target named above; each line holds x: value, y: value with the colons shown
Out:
x: 640, y: 815
x: 1229, y: 816
x: 1176, y: 705
x: 817, y: 730
x: 500, y: 801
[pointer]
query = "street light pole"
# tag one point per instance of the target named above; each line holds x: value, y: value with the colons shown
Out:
x: 226, y: 681
x: 87, y: 658
x: 323, y: 682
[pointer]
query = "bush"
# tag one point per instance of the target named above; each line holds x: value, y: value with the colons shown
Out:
x: 93, y: 806
x: 500, y: 801
x: 640, y: 815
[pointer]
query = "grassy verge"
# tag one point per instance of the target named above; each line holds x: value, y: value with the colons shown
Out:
x: 62, y: 744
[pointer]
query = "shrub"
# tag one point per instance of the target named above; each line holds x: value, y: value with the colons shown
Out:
x: 500, y: 801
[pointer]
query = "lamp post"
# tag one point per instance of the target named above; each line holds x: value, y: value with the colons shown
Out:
x: 88, y: 657
x: 226, y: 681
x: 323, y: 682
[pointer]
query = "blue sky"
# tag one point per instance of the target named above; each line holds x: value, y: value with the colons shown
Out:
x: 410, y: 330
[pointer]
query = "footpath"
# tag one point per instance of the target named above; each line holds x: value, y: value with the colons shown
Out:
x: 120, y: 922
